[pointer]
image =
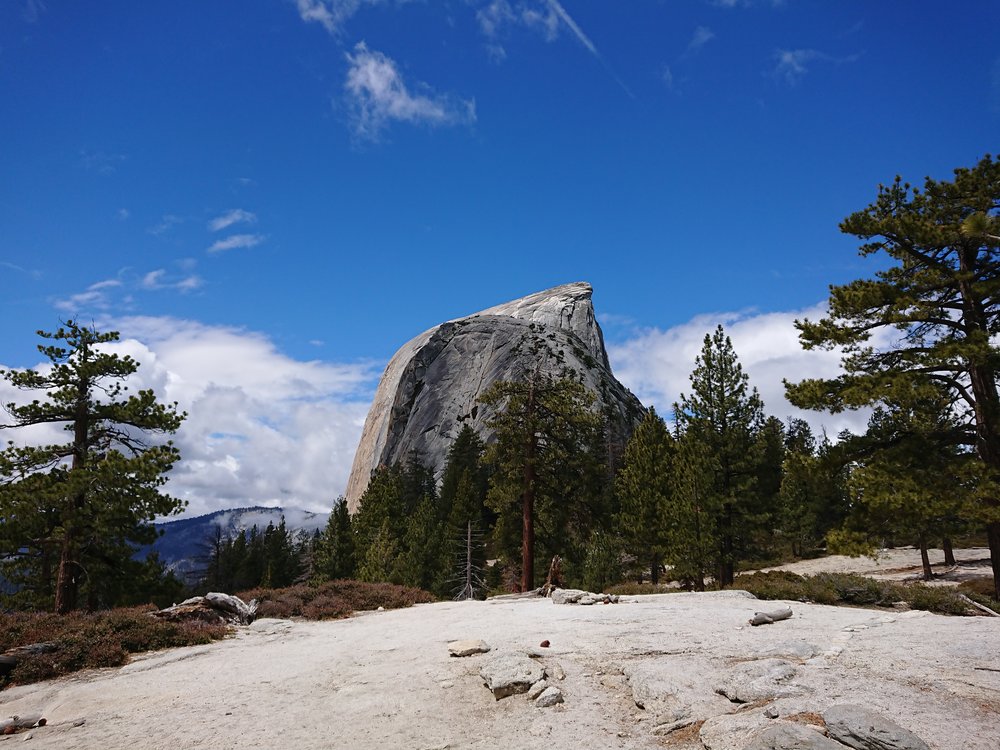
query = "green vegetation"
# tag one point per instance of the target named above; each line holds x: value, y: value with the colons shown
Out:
x: 71, y: 512
x: 938, y: 301
x: 849, y: 589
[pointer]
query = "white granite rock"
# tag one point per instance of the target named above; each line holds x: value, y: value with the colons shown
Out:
x: 549, y: 697
x: 468, y: 647
x: 430, y: 388
x: 509, y: 673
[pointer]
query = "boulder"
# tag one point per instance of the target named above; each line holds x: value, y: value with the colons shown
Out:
x: 431, y: 387
x: 509, y: 673
x: 789, y: 736
x: 863, y: 729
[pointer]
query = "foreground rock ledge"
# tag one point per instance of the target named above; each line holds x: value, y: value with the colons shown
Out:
x: 378, y: 680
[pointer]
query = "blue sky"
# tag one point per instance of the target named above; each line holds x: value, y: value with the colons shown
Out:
x: 268, y: 198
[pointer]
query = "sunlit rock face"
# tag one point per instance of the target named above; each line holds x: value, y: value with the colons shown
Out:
x: 431, y: 386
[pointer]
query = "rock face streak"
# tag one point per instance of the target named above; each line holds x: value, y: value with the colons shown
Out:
x: 430, y: 388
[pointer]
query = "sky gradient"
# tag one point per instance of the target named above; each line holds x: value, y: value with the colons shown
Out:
x: 268, y: 198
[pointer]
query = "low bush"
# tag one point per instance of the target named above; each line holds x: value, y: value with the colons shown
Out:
x: 850, y: 589
x: 100, y: 639
x: 333, y: 599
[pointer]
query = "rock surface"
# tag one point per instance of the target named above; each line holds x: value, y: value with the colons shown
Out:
x: 863, y: 729
x: 468, y: 647
x: 430, y: 388
x: 787, y: 736
x: 509, y: 673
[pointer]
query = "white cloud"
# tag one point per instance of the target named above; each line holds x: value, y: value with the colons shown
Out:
x: 262, y: 428
x: 236, y: 241
x: 545, y: 16
x: 94, y: 297
x: 189, y: 284
x: 235, y: 216
x: 153, y: 279
x: 123, y: 214
x: 792, y: 64
x: 378, y: 95
x: 331, y: 14
x: 168, y: 222
x: 656, y: 364
x: 702, y: 36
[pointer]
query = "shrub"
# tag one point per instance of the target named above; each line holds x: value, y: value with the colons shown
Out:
x: 100, y: 639
x: 850, y: 589
x: 333, y: 599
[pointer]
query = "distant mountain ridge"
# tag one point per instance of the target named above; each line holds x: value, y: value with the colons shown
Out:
x: 183, y: 545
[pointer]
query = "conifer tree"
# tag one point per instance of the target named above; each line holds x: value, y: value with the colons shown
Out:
x: 71, y: 512
x: 643, y: 491
x: 335, y: 549
x: 548, y: 471
x: 693, y: 546
x: 724, y: 415
x: 938, y: 298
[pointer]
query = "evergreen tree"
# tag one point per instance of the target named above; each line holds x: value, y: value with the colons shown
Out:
x: 912, y: 476
x: 939, y: 298
x: 643, y: 491
x: 335, y: 548
x: 73, y: 512
x: 548, y: 472
x: 379, y: 560
x: 693, y: 547
x: 725, y: 415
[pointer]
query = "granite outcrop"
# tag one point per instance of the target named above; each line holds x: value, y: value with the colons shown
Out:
x: 431, y: 386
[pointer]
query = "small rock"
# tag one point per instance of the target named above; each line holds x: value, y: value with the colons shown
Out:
x: 901, y: 606
x: 380, y: 609
x: 508, y: 673
x: 549, y: 697
x: 771, y: 712
x: 544, y: 644
x: 567, y: 596
x: 468, y: 647
x: 446, y: 684
x: 555, y: 672
x: 537, y: 689
x: 861, y: 728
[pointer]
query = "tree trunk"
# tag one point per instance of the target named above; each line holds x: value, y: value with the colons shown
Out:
x: 993, y: 535
x: 528, y: 501
x: 925, y: 560
x: 654, y: 570
x: 949, y: 552
x: 66, y: 578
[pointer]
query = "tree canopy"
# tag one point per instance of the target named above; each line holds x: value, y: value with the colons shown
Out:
x: 72, y: 511
x: 935, y: 307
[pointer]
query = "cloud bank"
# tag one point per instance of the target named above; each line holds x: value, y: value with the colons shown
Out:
x: 262, y: 427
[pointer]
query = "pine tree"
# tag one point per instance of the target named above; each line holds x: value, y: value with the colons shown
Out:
x: 693, y: 546
x: 335, y: 549
x: 938, y: 297
x: 725, y: 415
x: 548, y: 471
x: 72, y: 512
x: 643, y: 491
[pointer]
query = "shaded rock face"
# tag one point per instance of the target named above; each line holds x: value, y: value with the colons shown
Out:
x: 430, y: 388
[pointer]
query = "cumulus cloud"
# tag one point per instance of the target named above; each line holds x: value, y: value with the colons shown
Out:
x: 656, y: 364
x: 168, y: 222
x: 235, y: 216
x: 263, y: 428
x: 236, y: 241
x: 378, y: 95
